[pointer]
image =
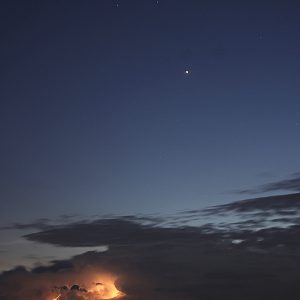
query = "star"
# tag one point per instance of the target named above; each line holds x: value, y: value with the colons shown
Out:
x: 187, y: 72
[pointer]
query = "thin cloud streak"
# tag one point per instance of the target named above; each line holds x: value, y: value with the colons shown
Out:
x: 291, y: 184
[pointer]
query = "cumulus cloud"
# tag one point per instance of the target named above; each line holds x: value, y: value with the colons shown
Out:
x: 82, y: 278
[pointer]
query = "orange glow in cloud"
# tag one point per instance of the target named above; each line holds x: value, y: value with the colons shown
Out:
x: 88, y: 286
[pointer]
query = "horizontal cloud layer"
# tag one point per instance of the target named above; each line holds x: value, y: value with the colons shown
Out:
x: 291, y: 184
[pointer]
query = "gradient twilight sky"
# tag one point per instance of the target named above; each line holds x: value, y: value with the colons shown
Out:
x: 99, y: 116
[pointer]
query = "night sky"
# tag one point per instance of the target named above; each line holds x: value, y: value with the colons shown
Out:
x: 153, y: 142
x: 124, y: 107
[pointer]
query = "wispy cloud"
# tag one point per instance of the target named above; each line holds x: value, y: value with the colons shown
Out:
x: 291, y: 184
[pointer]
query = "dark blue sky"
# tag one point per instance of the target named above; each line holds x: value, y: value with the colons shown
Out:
x: 98, y: 116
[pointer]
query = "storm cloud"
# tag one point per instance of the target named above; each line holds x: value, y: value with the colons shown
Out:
x: 152, y: 261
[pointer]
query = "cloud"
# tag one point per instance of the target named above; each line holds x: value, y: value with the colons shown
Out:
x: 175, y: 269
x: 45, y: 223
x: 75, y: 279
x: 149, y: 261
x: 275, y: 219
x: 117, y: 231
x: 291, y: 184
x: 208, y: 224
x: 262, y: 206
x: 39, y: 224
